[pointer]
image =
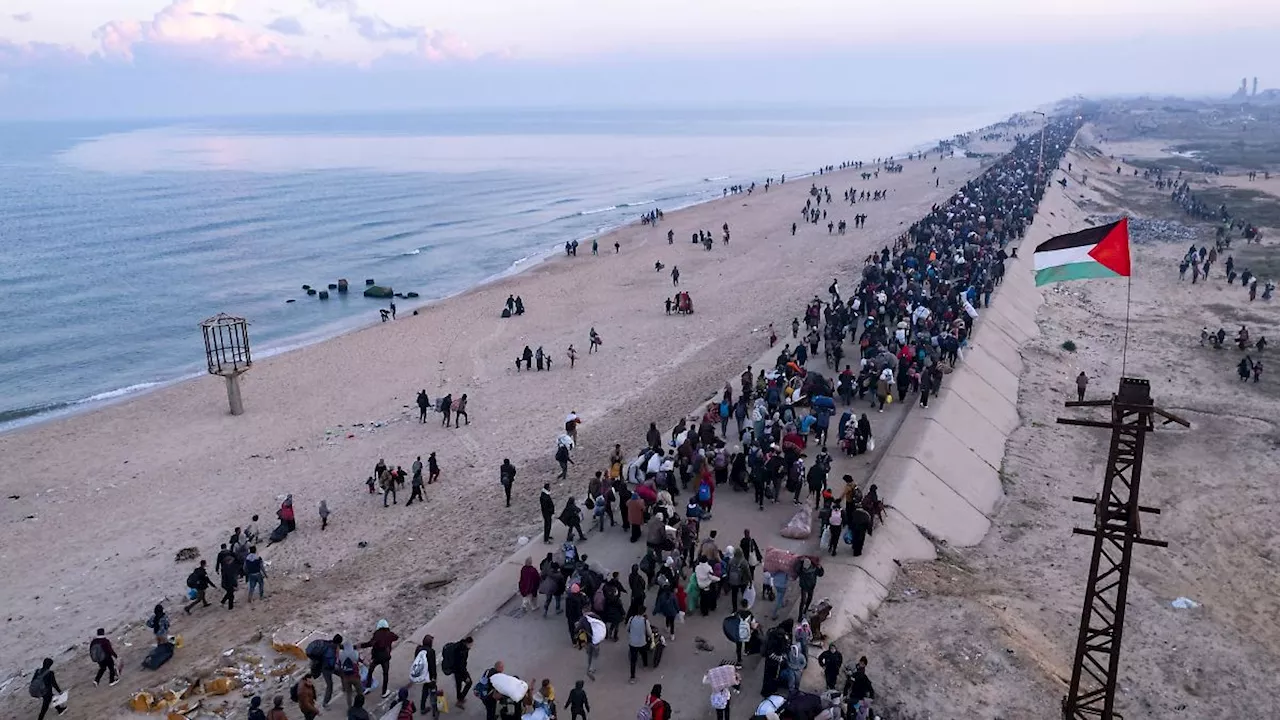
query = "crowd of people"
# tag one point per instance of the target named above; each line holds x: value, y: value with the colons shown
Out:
x: 909, y: 317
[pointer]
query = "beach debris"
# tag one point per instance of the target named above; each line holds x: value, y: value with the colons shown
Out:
x: 342, y: 285
x: 186, y: 554
x: 702, y: 645
x: 1185, y: 603
x: 522, y: 541
x: 286, y: 302
x: 368, y: 281
x: 438, y: 581
x: 379, y: 291
x: 324, y: 294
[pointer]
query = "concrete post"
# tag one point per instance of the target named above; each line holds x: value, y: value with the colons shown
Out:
x: 233, y: 394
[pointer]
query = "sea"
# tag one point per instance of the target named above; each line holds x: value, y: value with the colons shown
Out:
x: 117, y: 238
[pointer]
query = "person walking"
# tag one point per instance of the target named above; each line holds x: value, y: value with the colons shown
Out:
x: 548, y: 507
x: 446, y: 404
x: 348, y: 669
x: 807, y: 573
x: 307, y: 698
x: 635, y: 516
x: 255, y: 572
x: 323, y: 655
x: 458, y: 666
x: 507, y: 476
x: 43, y: 685
x: 199, y: 581
x: 427, y: 653
x: 564, y: 459
x: 433, y: 468
x: 101, y: 652
x: 639, y: 636
x: 577, y: 703
x: 424, y: 403
x: 571, y: 517
x: 460, y: 412
x: 1082, y: 383
x: 415, y: 484
x: 324, y: 515
x: 230, y: 572
x: 528, y: 585
x: 388, y: 485
x: 659, y: 709
x: 380, y: 644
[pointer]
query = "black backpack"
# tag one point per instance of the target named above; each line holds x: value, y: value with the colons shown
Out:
x: 193, y: 580
x: 317, y: 649
x: 38, y: 684
x: 448, y: 657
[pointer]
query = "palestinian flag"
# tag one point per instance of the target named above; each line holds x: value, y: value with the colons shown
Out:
x: 1098, y: 252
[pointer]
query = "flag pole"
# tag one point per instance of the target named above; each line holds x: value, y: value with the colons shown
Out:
x: 1128, y: 300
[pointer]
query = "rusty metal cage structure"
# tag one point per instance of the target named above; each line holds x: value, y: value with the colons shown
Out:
x: 226, y: 350
x: 226, y: 344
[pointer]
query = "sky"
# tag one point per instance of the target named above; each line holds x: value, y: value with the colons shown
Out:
x: 173, y: 58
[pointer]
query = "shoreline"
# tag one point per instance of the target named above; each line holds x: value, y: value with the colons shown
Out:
x: 34, y: 417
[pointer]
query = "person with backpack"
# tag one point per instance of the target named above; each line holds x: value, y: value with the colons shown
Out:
x: 323, y: 655
x: 255, y: 709
x: 255, y: 572
x: 453, y: 661
x: 305, y: 695
x: 423, y: 672
x: 199, y: 581
x: 43, y: 685
x: 654, y: 708
x: 380, y: 644
x: 101, y: 652
x: 348, y: 671
x: 159, y: 624
x: 737, y: 574
x: 564, y: 459
x: 486, y: 693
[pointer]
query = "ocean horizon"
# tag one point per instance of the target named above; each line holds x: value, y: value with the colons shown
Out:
x: 118, y: 237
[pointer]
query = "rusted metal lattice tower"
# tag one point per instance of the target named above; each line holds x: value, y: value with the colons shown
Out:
x: 226, y: 348
x: 1116, y: 529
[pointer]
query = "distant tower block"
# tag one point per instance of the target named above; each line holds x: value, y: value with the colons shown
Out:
x: 226, y: 347
x: 1255, y: 86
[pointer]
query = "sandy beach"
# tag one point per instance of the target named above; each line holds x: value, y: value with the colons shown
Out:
x: 99, y: 503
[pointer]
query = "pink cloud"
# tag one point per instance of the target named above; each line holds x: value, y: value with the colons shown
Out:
x: 207, y: 29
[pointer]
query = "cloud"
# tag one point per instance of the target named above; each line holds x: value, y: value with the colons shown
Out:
x: 287, y: 26
x: 24, y: 17
x: 207, y: 29
x: 428, y: 44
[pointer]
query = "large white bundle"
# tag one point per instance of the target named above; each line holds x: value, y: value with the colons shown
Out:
x: 597, y: 629
x: 509, y: 685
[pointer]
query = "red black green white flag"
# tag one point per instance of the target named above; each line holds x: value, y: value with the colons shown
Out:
x: 1097, y: 252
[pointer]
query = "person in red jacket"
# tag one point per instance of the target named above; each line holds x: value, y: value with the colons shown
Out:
x: 381, y: 643
x: 101, y: 652
x: 529, y: 581
x: 659, y: 709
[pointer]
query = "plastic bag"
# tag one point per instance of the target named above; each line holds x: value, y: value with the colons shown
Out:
x: 369, y: 682
x: 800, y: 526
x: 871, y: 443
x: 750, y: 597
